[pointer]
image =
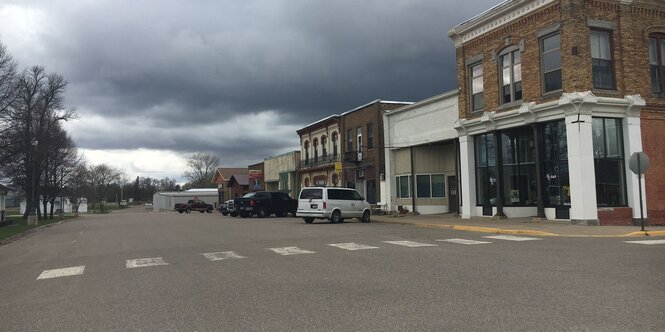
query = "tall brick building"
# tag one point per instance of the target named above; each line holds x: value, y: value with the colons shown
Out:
x: 555, y: 96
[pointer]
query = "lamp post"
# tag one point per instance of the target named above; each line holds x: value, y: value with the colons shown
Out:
x: 32, y: 216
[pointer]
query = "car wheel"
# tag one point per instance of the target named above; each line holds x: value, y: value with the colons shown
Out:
x: 365, y: 217
x: 209, y: 210
x: 188, y: 210
x: 261, y: 213
x: 225, y: 213
x: 243, y: 215
x: 308, y: 220
x: 280, y: 214
x: 234, y: 214
x: 202, y: 211
x: 179, y: 211
x: 336, y: 217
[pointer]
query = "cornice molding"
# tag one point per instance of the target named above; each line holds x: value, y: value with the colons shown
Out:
x: 501, y: 15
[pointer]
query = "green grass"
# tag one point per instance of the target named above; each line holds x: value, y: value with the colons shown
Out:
x: 19, y: 225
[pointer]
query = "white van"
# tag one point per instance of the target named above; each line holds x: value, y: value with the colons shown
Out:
x: 334, y: 204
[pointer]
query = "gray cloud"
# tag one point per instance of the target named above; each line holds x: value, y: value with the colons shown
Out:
x: 170, y: 69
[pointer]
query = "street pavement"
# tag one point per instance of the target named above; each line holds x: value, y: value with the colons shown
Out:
x: 138, y: 270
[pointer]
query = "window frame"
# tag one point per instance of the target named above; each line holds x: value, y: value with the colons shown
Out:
x: 370, y: 135
x: 659, y: 38
x: 334, y: 140
x: 510, y: 51
x: 349, y: 143
x: 604, y: 158
x: 430, y: 186
x: 398, y: 191
x: 472, y: 103
x: 324, y: 143
x: 611, y: 61
x: 541, y: 41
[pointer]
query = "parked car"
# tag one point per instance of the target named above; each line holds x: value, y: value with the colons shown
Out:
x: 265, y: 203
x: 228, y: 208
x: 334, y: 204
x: 193, y: 205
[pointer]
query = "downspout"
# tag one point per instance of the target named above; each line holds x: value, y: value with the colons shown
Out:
x: 413, y: 182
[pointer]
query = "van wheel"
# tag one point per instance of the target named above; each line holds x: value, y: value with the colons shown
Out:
x: 336, y: 217
x: 261, y: 213
x: 308, y: 220
x: 365, y: 217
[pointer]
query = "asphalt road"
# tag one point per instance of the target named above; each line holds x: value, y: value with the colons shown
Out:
x: 549, y: 284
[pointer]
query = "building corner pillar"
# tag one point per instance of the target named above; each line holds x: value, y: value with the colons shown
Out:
x: 583, y: 209
x: 467, y: 177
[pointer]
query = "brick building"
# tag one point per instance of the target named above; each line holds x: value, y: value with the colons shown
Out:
x: 555, y: 96
x: 363, y: 148
x: 320, y: 153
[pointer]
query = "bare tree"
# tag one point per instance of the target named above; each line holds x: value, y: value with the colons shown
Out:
x: 100, y: 179
x: 76, y: 185
x: 28, y: 123
x: 8, y: 84
x: 61, y: 159
x: 202, y: 167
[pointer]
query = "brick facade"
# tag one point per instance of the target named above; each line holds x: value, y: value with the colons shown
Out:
x: 630, y: 23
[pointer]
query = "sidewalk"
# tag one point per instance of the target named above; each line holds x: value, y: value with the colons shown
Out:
x: 524, y: 226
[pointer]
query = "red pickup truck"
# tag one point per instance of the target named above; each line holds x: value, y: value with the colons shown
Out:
x: 193, y: 205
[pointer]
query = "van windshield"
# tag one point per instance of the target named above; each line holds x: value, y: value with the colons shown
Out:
x: 311, y: 194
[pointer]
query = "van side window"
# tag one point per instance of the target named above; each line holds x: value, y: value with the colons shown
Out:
x: 348, y: 195
x: 335, y: 194
x: 355, y: 195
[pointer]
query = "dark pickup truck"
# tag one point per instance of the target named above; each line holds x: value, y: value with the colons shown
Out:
x: 265, y: 203
x: 193, y: 205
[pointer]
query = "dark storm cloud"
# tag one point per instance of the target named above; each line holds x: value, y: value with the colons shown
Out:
x: 177, y: 65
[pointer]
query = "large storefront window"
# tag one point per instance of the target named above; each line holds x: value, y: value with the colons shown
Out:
x: 609, y: 162
x: 555, y: 165
x: 519, y: 167
x: 486, y: 173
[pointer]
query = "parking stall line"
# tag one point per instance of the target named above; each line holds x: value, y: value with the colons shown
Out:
x: 63, y: 272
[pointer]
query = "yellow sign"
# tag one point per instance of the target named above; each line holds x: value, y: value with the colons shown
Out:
x: 338, y: 166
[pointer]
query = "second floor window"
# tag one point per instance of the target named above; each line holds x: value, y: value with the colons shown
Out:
x: 476, y: 86
x: 601, y: 60
x: 359, y: 136
x: 324, y: 146
x: 370, y: 136
x: 349, y: 142
x: 550, y: 62
x: 316, y: 150
x: 334, y: 142
x: 306, y: 152
x: 657, y: 62
x: 511, y: 77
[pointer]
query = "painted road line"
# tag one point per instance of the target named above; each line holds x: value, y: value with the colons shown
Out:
x: 143, y: 262
x: 352, y: 246
x: 464, y: 241
x: 285, y: 251
x: 218, y: 256
x: 648, y: 242
x: 411, y: 244
x: 64, y: 272
x: 511, y: 238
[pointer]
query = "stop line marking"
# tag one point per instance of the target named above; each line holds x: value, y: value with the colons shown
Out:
x: 285, y: 251
x: 464, y: 241
x: 218, y: 256
x: 352, y: 246
x: 511, y: 238
x: 411, y: 244
x: 64, y: 272
x: 143, y: 262
x: 647, y: 242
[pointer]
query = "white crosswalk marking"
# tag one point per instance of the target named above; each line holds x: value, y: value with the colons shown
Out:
x: 143, y: 262
x: 352, y: 246
x: 64, y: 272
x: 648, y: 242
x: 285, y: 251
x: 411, y: 244
x: 511, y: 238
x: 464, y: 241
x: 218, y: 256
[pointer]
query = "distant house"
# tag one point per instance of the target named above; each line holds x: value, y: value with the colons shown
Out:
x: 238, y: 185
x: 3, y: 195
x: 65, y: 205
x: 221, y: 179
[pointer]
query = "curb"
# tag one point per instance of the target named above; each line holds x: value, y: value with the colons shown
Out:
x: 517, y: 231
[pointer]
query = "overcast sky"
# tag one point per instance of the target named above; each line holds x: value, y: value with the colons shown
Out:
x: 155, y: 81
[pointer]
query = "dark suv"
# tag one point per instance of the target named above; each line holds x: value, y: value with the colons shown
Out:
x: 265, y: 203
